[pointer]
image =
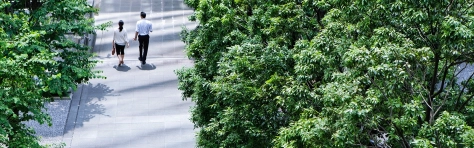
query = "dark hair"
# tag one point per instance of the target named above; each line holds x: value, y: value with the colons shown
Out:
x: 143, y: 14
x: 120, y: 25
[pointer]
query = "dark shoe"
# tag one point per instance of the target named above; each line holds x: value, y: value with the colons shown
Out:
x: 143, y: 62
x: 140, y: 59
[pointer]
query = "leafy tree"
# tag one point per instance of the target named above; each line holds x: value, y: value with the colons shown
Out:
x: 38, y: 59
x: 331, y: 73
x: 243, y: 79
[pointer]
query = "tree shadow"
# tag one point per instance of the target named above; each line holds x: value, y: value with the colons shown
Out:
x: 147, y: 67
x: 69, y: 114
x: 123, y: 68
x: 86, y: 105
x: 89, y: 104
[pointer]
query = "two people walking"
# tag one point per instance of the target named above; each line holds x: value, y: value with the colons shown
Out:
x: 143, y: 28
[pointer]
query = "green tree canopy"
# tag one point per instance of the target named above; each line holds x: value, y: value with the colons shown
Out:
x: 38, y: 59
x: 331, y: 73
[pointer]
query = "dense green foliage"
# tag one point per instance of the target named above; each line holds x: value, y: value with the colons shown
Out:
x: 38, y: 59
x: 323, y: 73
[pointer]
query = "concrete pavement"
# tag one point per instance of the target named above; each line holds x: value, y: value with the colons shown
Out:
x: 137, y: 106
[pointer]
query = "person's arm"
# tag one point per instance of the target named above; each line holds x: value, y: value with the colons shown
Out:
x: 136, y: 34
x: 151, y: 27
x: 126, y: 39
x: 113, y: 42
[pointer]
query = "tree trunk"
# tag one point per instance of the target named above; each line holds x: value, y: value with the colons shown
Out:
x: 434, y: 80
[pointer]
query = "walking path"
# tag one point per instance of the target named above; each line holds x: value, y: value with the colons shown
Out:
x: 137, y: 106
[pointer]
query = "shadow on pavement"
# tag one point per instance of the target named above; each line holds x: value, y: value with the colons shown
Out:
x: 147, y: 67
x: 89, y: 106
x: 123, y: 68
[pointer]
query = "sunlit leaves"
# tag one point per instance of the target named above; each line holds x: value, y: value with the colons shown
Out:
x: 243, y: 80
x: 39, y: 61
x: 449, y: 129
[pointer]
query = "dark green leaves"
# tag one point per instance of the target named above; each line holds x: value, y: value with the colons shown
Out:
x: 329, y: 73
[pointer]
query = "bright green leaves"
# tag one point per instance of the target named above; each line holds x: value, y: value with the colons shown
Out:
x: 455, y: 28
x: 243, y: 81
x: 188, y: 81
x: 39, y: 61
x: 314, y: 131
x: 449, y: 130
x: 60, y: 17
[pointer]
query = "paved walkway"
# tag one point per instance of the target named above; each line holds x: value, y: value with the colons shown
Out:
x: 137, y: 106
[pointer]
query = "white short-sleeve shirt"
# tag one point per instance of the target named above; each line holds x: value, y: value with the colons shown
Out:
x: 144, y: 27
x: 120, y: 37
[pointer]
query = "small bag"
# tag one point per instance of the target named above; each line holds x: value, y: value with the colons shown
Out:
x: 113, y: 51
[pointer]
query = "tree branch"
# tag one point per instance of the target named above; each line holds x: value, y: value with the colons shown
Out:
x: 446, y: 69
x: 462, y: 90
x: 465, y: 103
x: 445, y: 97
x: 399, y: 132
x: 432, y: 88
x: 445, y: 73
x: 469, y: 7
x: 449, y: 7
x: 462, y: 69
x: 423, y: 36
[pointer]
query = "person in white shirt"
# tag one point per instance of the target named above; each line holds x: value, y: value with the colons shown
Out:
x: 144, y: 27
x: 119, y: 42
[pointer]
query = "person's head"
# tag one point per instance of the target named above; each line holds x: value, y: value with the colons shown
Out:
x: 120, y: 25
x: 143, y: 14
